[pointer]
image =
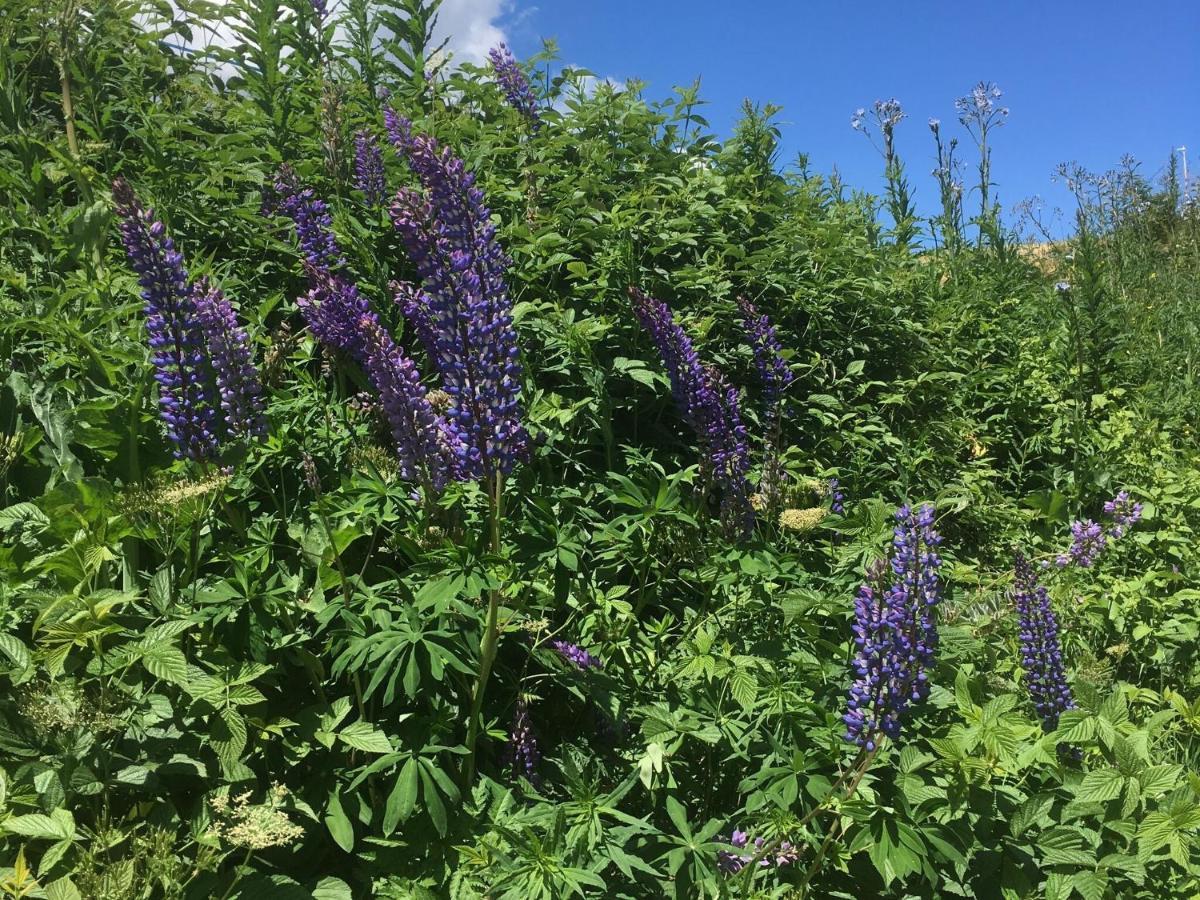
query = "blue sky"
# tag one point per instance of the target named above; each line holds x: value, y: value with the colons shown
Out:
x: 1084, y: 81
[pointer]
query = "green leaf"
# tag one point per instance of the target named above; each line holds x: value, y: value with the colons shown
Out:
x: 167, y: 663
x: 35, y: 825
x: 338, y: 824
x: 1090, y: 885
x: 365, y: 736
x: 743, y: 686
x: 403, y: 798
x: 1100, y: 786
x: 330, y: 888
x: 63, y: 889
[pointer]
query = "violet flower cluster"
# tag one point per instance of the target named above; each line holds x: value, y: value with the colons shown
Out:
x: 209, y: 388
x: 731, y: 863
x: 524, y: 755
x: 837, y: 498
x: 231, y: 359
x: 708, y: 405
x: 768, y: 358
x: 310, y: 215
x: 576, y: 655
x: 462, y: 311
x: 1041, y: 653
x: 1124, y: 513
x: 424, y: 449
x: 340, y: 318
x: 895, y: 631
x: 368, y: 168
x: 1089, y: 539
x: 515, y: 84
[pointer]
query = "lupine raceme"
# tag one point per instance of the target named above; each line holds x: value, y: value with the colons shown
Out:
x: 1041, y: 652
x: 514, y: 84
x: 209, y: 387
x: 708, y: 405
x: 895, y: 631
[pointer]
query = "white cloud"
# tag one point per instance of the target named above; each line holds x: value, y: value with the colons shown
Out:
x: 471, y: 26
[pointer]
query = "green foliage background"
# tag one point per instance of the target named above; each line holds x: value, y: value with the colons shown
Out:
x: 177, y: 643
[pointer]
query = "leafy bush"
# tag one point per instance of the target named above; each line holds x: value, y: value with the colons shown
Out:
x: 528, y: 589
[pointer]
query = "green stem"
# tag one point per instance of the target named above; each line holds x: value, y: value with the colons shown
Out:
x: 491, y: 634
x: 237, y: 874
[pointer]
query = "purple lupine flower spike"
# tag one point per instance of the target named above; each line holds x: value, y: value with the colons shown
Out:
x: 768, y: 357
x: 368, y: 168
x: 1041, y: 652
x: 522, y: 744
x: 463, y: 311
x: 837, y: 498
x: 709, y: 407
x: 334, y: 309
x: 1124, y: 513
x: 232, y: 360
x: 175, y: 336
x: 1088, y: 541
x: 576, y: 655
x: 895, y: 631
x: 416, y: 430
x: 314, y: 225
x: 515, y: 84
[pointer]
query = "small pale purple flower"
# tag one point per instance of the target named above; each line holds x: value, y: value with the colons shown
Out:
x: 1088, y: 541
x: 576, y: 655
x: 1124, y: 513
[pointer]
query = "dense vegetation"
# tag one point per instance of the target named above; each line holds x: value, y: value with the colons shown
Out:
x: 584, y: 620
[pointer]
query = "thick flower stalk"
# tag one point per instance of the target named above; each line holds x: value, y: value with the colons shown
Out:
x: 708, y: 405
x: 422, y: 446
x: 1041, y: 653
x: 232, y: 360
x: 463, y: 311
x: 768, y: 359
x: 368, y: 168
x: 895, y: 631
x: 515, y: 84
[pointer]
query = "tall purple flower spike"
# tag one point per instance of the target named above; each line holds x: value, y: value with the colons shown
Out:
x: 895, y: 631
x: 1041, y: 652
x: 368, y: 168
x: 232, y: 360
x: 462, y: 312
x: 422, y: 445
x: 768, y: 358
x: 209, y: 388
x: 515, y: 84
x: 710, y: 408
